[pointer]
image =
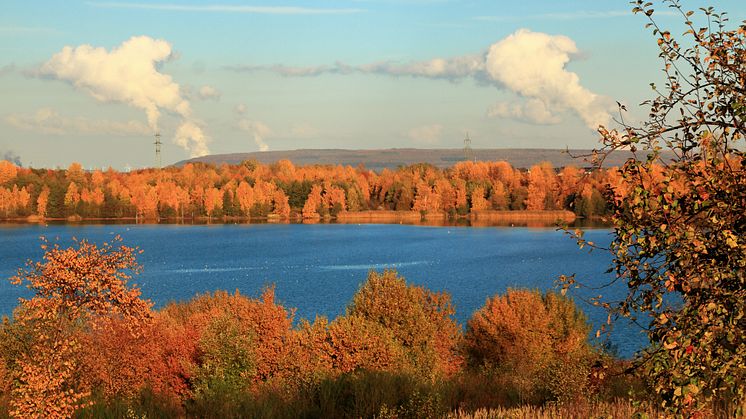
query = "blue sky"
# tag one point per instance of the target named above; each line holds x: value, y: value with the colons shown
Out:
x: 239, y: 76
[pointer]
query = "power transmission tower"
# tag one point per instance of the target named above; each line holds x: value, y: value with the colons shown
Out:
x: 158, y: 149
x: 468, y: 152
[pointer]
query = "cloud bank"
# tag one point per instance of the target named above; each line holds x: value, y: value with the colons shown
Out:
x: 49, y: 121
x: 532, y: 65
x: 129, y: 74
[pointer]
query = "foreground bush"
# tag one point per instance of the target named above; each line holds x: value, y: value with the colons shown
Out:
x: 421, y: 321
x: 537, y: 341
x: 86, y: 344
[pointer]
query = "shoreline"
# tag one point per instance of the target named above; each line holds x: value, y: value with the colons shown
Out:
x: 485, y: 218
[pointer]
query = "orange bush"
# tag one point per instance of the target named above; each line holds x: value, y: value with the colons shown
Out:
x: 271, y: 324
x: 538, y: 340
x: 354, y: 342
x: 420, y: 320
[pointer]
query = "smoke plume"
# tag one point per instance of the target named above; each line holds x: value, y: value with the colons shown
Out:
x: 129, y: 74
x: 11, y: 157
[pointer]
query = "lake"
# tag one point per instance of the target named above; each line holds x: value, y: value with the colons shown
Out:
x: 317, y: 268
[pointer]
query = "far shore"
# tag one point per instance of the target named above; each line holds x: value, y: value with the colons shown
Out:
x: 486, y: 218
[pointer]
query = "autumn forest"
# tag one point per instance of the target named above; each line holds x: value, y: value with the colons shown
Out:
x: 283, y: 191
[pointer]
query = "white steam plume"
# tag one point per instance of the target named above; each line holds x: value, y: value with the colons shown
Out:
x: 258, y: 130
x: 190, y: 136
x: 129, y: 74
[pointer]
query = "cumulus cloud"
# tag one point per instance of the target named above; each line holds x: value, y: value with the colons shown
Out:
x: 258, y: 130
x: 532, y: 65
x: 208, y: 92
x: 427, y: 134
x: 130, y: 74
x: 49, y: 121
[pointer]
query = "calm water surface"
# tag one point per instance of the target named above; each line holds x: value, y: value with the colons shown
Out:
x: 317, y: 268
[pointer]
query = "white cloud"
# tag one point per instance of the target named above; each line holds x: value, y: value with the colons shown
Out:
x: 293, y: 71
x: 445, y: 68
x: 208, y: 92
x: 49, y: 121
x: 258, y: 130
x: 528, y: 64
x: 426, y: 134
x: 532, y: 65
x: 129, y: 74
x: 533, y: 110
x: 224, y: 8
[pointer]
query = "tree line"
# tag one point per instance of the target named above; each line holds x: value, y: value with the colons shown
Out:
x: 283, y: 190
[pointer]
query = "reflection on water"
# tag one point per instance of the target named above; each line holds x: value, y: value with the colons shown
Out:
x: 454, y: 222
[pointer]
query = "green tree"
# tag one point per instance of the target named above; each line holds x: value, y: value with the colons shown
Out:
x: 679, y: 240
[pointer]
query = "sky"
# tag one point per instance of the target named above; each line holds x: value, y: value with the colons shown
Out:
x: 92, y: 81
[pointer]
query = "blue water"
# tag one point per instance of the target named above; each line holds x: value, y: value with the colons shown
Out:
x: 317, y: 268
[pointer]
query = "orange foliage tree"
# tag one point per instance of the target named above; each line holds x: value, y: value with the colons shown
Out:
x: 478, y: 201
x: 310, y: 208
x: 8, y: 171
x: 74, y: 288
x: 41, y: 202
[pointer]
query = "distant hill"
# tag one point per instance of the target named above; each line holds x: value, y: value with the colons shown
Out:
x: 395, y: 157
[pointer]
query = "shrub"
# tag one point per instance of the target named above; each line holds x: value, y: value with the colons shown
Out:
x: 420, y: 320
x: 538, y: 341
